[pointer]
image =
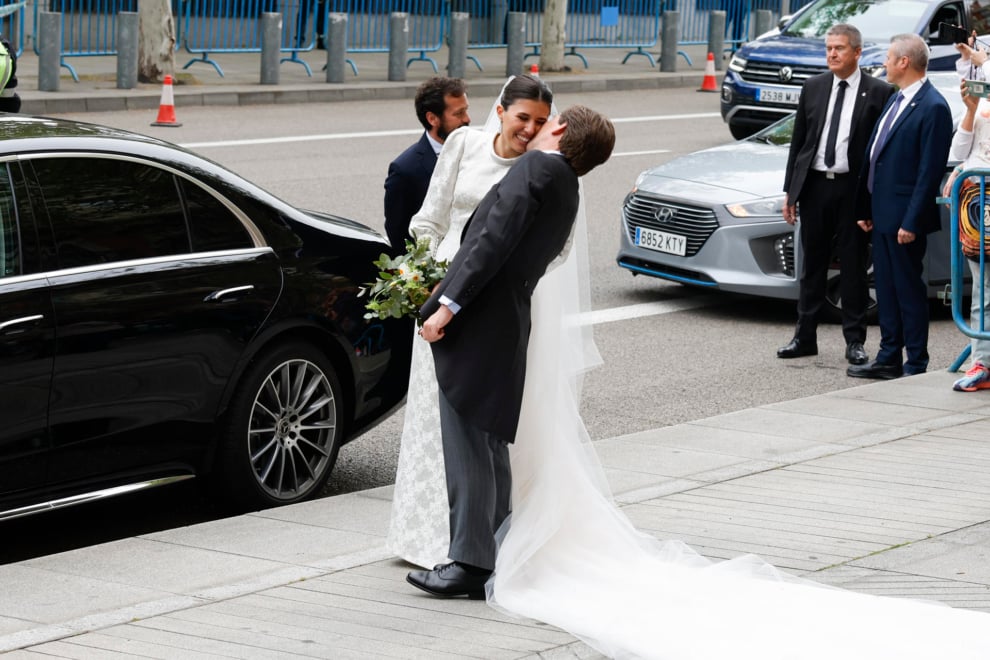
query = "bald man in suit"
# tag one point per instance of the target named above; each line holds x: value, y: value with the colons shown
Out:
x: 907, y: 156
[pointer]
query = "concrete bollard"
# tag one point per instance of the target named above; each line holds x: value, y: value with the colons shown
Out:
x: 49, y: 50
x: 515, y: 41
x: 457, y: 52
x: 716, y: 36
x: 763, y: 20
x: 127, y: 49
x: 668, y: 45
x: 271, y: 47
x: 398, y: 46
x: 336, y: 47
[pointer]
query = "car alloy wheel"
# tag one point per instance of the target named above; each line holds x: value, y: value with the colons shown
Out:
x: 286, y: 427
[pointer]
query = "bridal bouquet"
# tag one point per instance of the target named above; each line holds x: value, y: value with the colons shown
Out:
x: 404, y: 283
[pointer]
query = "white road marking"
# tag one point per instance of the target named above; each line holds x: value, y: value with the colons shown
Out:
x: 645, y: 309
x: 379, y: 134
x: 695, y: 115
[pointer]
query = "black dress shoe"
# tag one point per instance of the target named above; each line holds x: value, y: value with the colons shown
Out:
x: 855, y: 353
x: 876, y: 371
x: 450, y: 581
x: 797, y: 348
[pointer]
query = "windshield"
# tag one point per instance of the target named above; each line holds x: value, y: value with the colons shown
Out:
x: 878, y: 21
x: 778, y: 133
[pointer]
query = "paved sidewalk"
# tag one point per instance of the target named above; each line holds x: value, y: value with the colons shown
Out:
x: 882, y: 488
x: 200, y: 84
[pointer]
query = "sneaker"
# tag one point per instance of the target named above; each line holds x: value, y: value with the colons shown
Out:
x: 977, y: 378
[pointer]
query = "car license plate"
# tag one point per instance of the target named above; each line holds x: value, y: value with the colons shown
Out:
x: 661, y: 241
x: 788, y: 96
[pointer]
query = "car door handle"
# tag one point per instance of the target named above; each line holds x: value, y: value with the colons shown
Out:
x: 7, y: 325
x: 217, y: 296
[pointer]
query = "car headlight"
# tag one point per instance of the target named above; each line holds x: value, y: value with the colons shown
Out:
x: 761, y: 208
x: 737, y: 63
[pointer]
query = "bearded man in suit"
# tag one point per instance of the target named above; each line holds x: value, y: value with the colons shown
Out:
x: 907, y: 156
x: 441, y: 107
x: 478, y: 321
x: 835, y: 118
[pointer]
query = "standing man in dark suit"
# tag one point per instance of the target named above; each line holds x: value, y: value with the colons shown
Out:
x: 478, y: 321
x: 907, y: 156
x: 441, y: 107
x: 835, y: 118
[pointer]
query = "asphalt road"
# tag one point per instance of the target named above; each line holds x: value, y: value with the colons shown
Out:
x: 659, y: 369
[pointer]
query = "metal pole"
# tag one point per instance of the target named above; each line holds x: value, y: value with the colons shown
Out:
x: 271, y: 47
x: 336, y: 47
x: 515, y: 41
x: 716, y: 36
x: 398, y: 46
x: 457, y: 54
x: 49, y: 50
x: 668, y: 45
x: 127, y: 50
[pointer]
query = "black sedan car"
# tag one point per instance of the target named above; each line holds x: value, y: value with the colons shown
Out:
x: 162, y: 318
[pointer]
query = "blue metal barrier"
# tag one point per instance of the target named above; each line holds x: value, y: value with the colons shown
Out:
x: 958, y: 262
x: 12, y: 24
x: 589, y: 24
x: 234, y: 26
x: 89, y: 27
x: 368, y: 24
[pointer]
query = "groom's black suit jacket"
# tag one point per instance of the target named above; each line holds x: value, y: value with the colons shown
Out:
x: 516, y: 231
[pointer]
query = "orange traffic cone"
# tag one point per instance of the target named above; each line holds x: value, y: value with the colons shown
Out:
x: 708, y: 84
x: 534, y: 71
x: 166, y: 109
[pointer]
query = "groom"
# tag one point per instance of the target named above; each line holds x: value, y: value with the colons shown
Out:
x: 478, y: 321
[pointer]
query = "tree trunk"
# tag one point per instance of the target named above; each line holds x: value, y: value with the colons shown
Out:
x: 156, y: 41
x: 552, y: 50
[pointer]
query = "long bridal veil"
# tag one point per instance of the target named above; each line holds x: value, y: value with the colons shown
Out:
x: 570, y: 557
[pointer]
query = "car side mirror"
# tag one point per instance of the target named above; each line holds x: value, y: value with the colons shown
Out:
x: 784, y: 20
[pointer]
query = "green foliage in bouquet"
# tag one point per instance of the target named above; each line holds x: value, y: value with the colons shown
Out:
x: 404, y: 283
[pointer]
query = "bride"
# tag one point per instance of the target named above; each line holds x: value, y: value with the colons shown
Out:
x: 469, y: 164
x: 569, y: 557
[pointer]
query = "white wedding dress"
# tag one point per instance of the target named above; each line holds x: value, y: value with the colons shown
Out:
x: 419, y: 530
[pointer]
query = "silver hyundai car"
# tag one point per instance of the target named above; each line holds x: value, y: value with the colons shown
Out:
x: 713, y: 218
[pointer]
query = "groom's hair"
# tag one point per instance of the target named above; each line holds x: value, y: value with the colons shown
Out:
x: 588, y: 138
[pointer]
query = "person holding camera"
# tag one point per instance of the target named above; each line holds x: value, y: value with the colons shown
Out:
x: 971, y: 145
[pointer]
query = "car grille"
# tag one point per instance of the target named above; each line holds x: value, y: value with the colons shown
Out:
x: 696, y: 223
x: 769, y: 73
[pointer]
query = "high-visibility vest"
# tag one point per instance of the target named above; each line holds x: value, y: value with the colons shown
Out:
x: 6, y: 66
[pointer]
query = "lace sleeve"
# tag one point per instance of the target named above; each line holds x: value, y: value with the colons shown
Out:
x: 433, y: 218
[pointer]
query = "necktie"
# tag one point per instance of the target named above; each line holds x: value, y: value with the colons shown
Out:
x: 882, y: 138
x: 833, y: 126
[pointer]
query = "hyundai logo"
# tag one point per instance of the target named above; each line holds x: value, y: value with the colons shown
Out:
x: 664, y: 214
x: 786, y: 73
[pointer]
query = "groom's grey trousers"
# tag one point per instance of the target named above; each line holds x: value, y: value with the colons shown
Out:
x: 478, y: 486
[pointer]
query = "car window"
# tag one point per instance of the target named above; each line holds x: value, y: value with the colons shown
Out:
x: 105, y: 210
x: 211, y: 224
x: 877, y: 21
x: 9, y: 244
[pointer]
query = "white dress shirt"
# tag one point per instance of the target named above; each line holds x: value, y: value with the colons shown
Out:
x: 841, y: 165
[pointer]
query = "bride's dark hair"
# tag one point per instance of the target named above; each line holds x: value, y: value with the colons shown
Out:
x: 526, y: 87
